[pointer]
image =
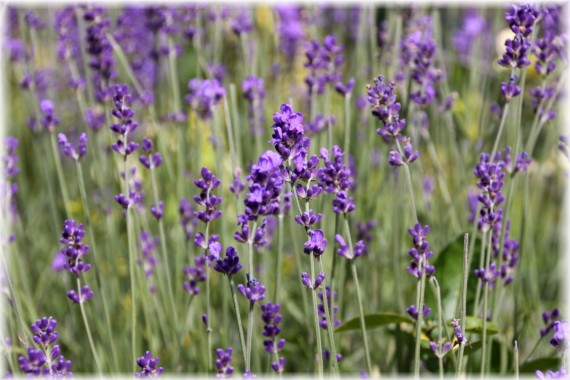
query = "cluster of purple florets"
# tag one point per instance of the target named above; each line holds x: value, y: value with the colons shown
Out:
x: 47, y: 360
x: 333, y: 307
x: 148, y: 365
x: 385, y: 108
x: 421, y: 253
x: 323, y: 62
x: 125, y: 124
x: 206, y: 199
x: 254, y: 93
x: 71, y: 151
x: 203, y: 95
x: 271, y: 318
x: 224, y: 362
x: 148, y: 244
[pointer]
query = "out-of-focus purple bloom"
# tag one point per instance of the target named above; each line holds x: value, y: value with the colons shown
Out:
x: 464, y: 39
x: 560, y: 374
x: 157, y: 210
x: 547, y: 49
x: 148, y: 366
x: 413, y: 311
x: 522, y: 162
x: 395, y: 159
x: 49, y: 119
x: 195, y: 274
x: 241, y: 23
x: 345, y: 251
x: 125, y: 124
x: 319, y: 124
x: 291, y: 30
x: 65, y: 25
x: 148, y: 260
x: 444, y: 349
x: 187, y: 219
x: 203, y: 95
x: 459, y: 337
x: 84, y: 296
x: 237, y: 185
x: 323, y: 61
x: 153, y: 160
x: 99, y: 48
x: 327, y: 355
x: 561, y: 338
x: 254, y: 93
x: 224, y: 362
x: 129, y: 201
x: 206, y: 199
x: 510, y: 90
x: 549, y: 319
x: 33, y: 20
x: 69, y: 150
x: 345, y: 89
x: 230, y: 264
x: 332, y: 309
x: 488, y: 276
x: 10, y: 159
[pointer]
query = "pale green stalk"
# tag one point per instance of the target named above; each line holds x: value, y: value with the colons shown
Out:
x: 463, y: 313
x: 409, y: 179
x: 330, y: 322
x: 359, y: 297
x: 95, y: 356
x: 437, y: 292
x: 501, y: 127
x: 485, y: 301
x: 347, y: 124
x: 60, y: 177
x: 238, y: 317
x: 516, y: 354
x: 317, y: 327
x: 420, y: 302
x: 250, y: 313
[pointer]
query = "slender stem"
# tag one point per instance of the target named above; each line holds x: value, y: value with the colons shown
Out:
x: 440, y: 325
x: 61, y: 178
x: 463, y: 313
x: 347, y: 125
x: 362, y: 323
x: 163, y: 248
x: 485, y: 305
x: 516, y: 354
x: 420, y: 299
x: 208, y: 328
x: 249, y: 335
x: 238, y: 317
x: 501, y: 127
x: 329, y: 319
x: 480, y: 283
x: 317, y: 327
x: 409, y: 179
x: 532, y: 351
x: 279, y: 254
x: 89, y: 336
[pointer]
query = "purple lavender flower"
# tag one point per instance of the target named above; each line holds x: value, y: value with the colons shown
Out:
x: 382, y: 99
x: 345, y: 89
x: 195, y: 274
x: 308, y: 219
x: 237, y: 185
x: 99, y: 48
x: 84, y: 295
x: 490, y: 183
x: 516, y: 53
x: 560, y: 374
x: 187, y: 219
x: 125, y: 125
x: 69, y: 150
x: 521, y: 18
x: 472, y: 27
x: 224, y: 362
x: 148, y: 366
x: 44, y: 331
x: 323, y: 62
x: 254, y: 93
x: 291, y: 30
x: 153, y: 160
x: 306, y: 280
x: 126, y: 202
x: 230, y: 264
x: 157, y: 210
x: 488, y: 276
x: 547, y: 49
x: 319, y: 124
x: 333, y: 310
x: 316, y: 244
x: 65, y: 25
x: 241, y: 23
x: 444, y: 349
x: 10, y: 159
x: 33, y: 362
x: 271, y: 319
x: 148, y: 260
x: 549, y: 319
x: 206, y: 199
x: 345, y: 251
x: 459, y: 337
x: 334, y: 176
x: 420, y: 253
x: 510, y: 90
x: 561, y: 338
x: 72, y: 238
x: 33, y: 20
x: 203, y: 95
x: 253, y: 290
x: 49, y: 119
x: 413, y: 311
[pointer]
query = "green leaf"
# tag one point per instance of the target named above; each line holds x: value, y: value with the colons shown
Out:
x: 475, y: 325
x: 448, y: 268
x: 542, y: 364
x: 373, y: 321
x: 471, y: 348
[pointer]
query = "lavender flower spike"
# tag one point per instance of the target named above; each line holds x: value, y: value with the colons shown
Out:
x: 148, y: 366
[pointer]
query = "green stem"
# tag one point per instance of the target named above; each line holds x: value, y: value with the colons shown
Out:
x: 89, y: 336
x: 437, y: 292
x: 485, y: 305
x: 330, y: 322
x: 238, y: 317
x: 61, y: 178
x: 409, y: 179
x: 362, y: 323
x: 347, y: 125
x: 420, y: 300
x: 516, y: 355
x: 317, y: 327
x: 501, y: 127
x: 463, y: 313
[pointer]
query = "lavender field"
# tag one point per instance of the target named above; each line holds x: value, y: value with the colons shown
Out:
x: 278, y: 190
